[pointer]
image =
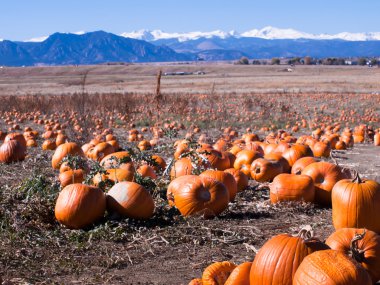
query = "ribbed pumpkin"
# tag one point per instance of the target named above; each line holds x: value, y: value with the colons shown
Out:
x: 292, y: 187
x: 194, y: 195
x: 278, y: 259
x: 217, y: 273
x: 131, y: 200
x: 181, y: 167
x: 240, y: 178
x: 71, y: 177
x: 63, y: 150
x: 12, y: 151
x: 330, y: 267
x: 79, y: 205
x: 264, y: 170
x: 356, y: 204
x: 301, y: 163
x: 224, y: 177
x: 325, y: 175
x: 240, y: 275
x: 362, y: 245
x: 16, y: 136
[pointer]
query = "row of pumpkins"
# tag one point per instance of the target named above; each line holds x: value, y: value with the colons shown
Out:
x: 349, y: 256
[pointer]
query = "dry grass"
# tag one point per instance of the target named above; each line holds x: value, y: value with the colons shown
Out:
x: 226, y: 78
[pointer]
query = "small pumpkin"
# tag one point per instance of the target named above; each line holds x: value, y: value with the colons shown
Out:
x: 240, y: 275
x: 301, y: 163
x: 217, y: 273
x: 71, y: 177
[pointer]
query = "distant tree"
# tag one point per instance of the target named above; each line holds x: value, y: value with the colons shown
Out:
x: 362, y: 61
x: 374, y: 61
x: 256, y: 62
x: 243, y: 60
x: 275, y: 61
x: 307, y: 60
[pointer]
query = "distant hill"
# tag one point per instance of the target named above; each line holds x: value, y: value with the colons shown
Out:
x: 102, y: 47
x: 89, y: 48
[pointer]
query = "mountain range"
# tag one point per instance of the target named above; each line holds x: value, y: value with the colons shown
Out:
x: 157, y: 46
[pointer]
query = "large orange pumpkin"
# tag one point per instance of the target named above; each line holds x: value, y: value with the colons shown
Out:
x: 131, y: 200
x: 356, y: 204
x: 330, y: 267
x: 12, y: 151
x: 194, y: 195
x: 64, y: 150
x: 301, y: 163
x: 292, y: 187
x: 224, y: 177
x: 79, y: 205
x: 278, y: 259
x: 362, y: 245
x: 324, y: 175
x: 244, y: 160
x: 264, y: 170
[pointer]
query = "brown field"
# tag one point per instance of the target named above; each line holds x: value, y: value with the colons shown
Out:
x: 221, y: 78
x: 168, y: 248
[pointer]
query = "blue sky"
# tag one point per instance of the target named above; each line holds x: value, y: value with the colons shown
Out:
x: 21, y: 20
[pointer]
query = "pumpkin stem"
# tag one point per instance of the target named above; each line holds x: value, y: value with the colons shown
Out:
x: 357, y: 177
x: 306, y: 233
x: 355, y: 252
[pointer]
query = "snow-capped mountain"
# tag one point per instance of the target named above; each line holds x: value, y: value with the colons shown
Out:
x: 182, y: 37
x: 269, y: 33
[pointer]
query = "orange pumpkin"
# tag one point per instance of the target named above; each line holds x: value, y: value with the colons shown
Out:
x: 181, y: 167
x: 327, y: 267
x: 224, y: 177
x: 278, y: 259
x: 263, y: 170
x: 301, y: 163
x: 240, y: 275
x: 113, y: 175
x: 194, y: 195
x: 240, y: 178
x: 131, y: 200
x: 324, y: 175
x: 64, y: 150
x: 244, y: 160
x: 356, y: 204
x: 217, y: 273
x: 79, y: 205
x: 71, y: 177
x: 292, y: 187
x: 362, y: 245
